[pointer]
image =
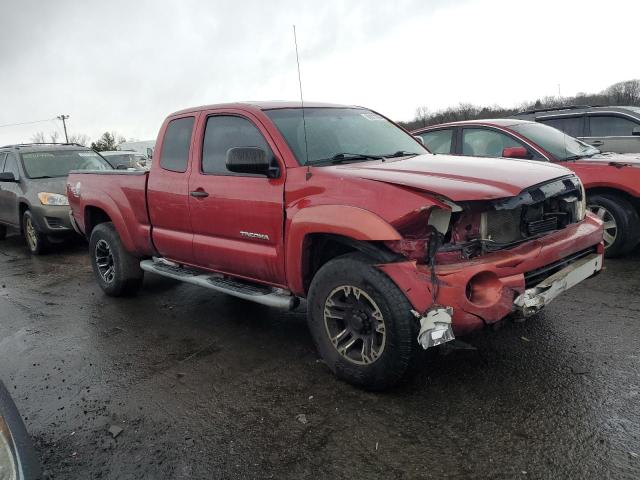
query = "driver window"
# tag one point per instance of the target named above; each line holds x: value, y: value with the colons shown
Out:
x: 223, y: 132
x: 482, y: 142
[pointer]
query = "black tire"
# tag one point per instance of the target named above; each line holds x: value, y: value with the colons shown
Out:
x: 3, y: 232
x: 37, y: 242
x: 625, y: 216
x: 400, y: 352
x: 106, y: 251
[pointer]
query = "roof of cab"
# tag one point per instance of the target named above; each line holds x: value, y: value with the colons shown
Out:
x: 262, y: 105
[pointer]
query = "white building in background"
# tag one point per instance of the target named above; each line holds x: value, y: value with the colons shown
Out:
x: 145, y: 147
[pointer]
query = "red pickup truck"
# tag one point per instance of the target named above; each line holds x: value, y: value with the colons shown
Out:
x: 394, y: 248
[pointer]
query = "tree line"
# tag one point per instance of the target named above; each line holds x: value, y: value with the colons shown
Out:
x: 107, y: 141
x: 621, y: 93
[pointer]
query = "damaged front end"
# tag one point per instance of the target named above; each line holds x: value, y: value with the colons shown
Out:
x: 476, y: 262
x: 488, y: 226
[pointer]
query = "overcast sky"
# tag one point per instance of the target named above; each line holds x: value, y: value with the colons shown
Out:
x: 124, y: 65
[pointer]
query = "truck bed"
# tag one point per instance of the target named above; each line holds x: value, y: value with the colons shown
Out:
x: 119, y: 195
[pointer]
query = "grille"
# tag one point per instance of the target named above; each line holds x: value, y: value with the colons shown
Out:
x: 54, y: 222
x: 542, y: 226
x: 503, y: 226
x: 534, y: 277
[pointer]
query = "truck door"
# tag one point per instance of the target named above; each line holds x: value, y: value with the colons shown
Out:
x: 237, y: 219
x: 168, y: 192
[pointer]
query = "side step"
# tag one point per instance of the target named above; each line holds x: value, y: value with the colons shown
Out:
x: 270, y: 296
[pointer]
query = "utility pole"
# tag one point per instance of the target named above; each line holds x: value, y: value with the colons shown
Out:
x: 63, y: 118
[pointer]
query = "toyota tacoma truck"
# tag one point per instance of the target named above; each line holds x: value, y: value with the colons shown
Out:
x: 394, y: 249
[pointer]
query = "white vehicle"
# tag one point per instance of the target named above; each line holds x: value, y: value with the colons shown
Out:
x: 145, y: 147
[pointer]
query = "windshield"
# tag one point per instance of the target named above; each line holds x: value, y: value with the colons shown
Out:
x: 127, y: 160
x: 341, y: 134
x: 557, y: 143
x: 58, y: 163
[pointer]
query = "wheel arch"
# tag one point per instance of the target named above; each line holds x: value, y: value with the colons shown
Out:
x: 97, y: 213
x: 601, y: 189
x: 318, y: 234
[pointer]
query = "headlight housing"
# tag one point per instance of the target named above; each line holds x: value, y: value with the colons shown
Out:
x: 47, y: 198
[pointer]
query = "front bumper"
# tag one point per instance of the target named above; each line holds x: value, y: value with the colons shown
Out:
x: 52, y: 219
x: 482, y: 291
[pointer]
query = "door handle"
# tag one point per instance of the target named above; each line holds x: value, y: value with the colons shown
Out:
x: 597, y: 143
x: 199, y: 194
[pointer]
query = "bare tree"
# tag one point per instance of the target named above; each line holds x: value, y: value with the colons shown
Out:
x: 624, y: 93
x: 38, y: 137
x: 54, y: 137
x: 422, y: 115
x: 79, y: 138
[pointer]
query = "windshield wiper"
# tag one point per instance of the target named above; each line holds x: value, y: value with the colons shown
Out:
x: 348, y: 157
x: 400, y: 153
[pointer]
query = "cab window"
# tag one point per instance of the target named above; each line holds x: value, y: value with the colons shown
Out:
x: 176, y: 143
x: 482, y: 142
x: 438, y: 141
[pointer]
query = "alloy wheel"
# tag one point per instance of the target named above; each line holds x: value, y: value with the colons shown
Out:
x: 610, y: 225
x: 32, y: 235
x: 104, y: 261
x: 354, y: 324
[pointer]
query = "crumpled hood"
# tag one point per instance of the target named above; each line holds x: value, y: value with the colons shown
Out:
x: 620, y: 159
x: 457, y: 178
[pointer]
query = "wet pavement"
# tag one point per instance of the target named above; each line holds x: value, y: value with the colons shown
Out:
x: 208, y: 386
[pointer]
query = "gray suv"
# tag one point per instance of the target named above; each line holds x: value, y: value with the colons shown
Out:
x: 33, y: 197
x: 610, y: 129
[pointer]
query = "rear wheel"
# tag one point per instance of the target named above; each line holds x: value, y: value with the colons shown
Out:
x: 3, y: 232
x: 36, y: 241
x: 621, y: 222
x: 362, y: 324
x: 117, y: 271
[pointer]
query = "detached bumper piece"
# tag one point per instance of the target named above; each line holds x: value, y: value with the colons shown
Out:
x: 435, y: 327
x: 536, y: 298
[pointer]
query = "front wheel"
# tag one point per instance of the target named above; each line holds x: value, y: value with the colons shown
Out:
x: 117, y: 271
x: 361, y: 323
x: 621, y: 222
x: 36, y: 241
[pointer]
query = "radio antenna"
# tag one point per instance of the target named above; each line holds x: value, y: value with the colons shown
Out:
x: 304, y: 120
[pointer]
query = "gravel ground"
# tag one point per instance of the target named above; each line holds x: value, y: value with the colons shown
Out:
x: 207, y: 386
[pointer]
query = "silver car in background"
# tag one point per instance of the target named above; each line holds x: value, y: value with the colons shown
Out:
x: 610, y: 129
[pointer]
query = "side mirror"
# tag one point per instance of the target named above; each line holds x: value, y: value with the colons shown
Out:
x: 635, y: 131
x: 252, y: 160
x: 121, y: 166
x: 515, y: 152
x: 149, y: 153
x: 419, y: 138
x: 7, y: 177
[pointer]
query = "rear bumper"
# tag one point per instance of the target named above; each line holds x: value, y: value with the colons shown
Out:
x: 482, y: 291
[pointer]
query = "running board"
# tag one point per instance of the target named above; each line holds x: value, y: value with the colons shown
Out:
x: 265, y: 295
